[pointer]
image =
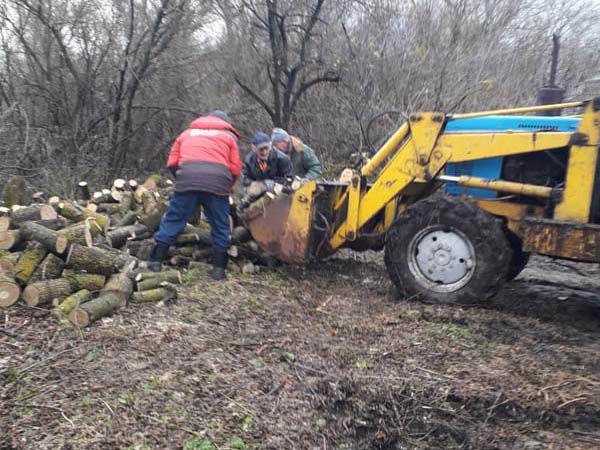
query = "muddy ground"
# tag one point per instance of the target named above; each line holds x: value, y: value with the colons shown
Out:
x: 320, y: 358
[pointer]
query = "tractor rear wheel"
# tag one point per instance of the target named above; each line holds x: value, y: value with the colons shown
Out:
x: 447, y: 250
x: 519, y: 257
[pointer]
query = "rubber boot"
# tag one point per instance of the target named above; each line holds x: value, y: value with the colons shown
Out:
x: 158, y: 255
x: 220, y: 258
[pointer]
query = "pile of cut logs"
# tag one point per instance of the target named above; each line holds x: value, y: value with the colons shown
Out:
x: 81, y: 256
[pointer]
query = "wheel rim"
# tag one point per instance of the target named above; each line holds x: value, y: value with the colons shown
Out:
x: 441, y: 259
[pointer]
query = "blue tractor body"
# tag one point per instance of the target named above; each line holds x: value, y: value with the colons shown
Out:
x: 491, y: 168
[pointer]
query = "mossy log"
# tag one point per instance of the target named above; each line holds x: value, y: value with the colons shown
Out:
x: 171, y: 276
x: 54, y: 224
x: 184, y: 251
x: 202, y: 254
x: 49, y: 269
x: 153, y: 283
x: 70, y: 211
x: 52, y: 240
x: 33, y: 212
x: 80, y: 280
x: 30, y: 258
x: 81, y: 233
x: 15, y: 192
x: 153, y: 182
x: 110, y: 208
x: 9, y: 290
x: 154, y: 295
x: 71, y: 302
x: 140, y: 249
x: 102, y: 220
x: 115, y: 295
x: 151, y: 220
x: 180, y: 261
x: 42, y: 292
x: 118, y: 237
x: 197, y: 237
x: 91, y: 260
x: 9, y: 239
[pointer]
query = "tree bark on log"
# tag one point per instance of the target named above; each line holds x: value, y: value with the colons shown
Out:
x: 70, y: 211
x: 153, y: 295
x: 52, y: 240
x: 50, y: 269
x: 42, y: 292
x: 91, y: 260
x: 153, y: 283
x: 171, y: 276
x: 33, y: 212
x: 128, y: 219
x: 71, y: 302
x: 30, y: 258
x: 117, y: 238
x: 115, y: 294
x: 81, y: 233
x: 127, y: 203
x: 198, y: 236
x: 110, y: 208
x: 9, y: 290
x: 79, y: 280
x: 9, y: 239
x: 5, y: 223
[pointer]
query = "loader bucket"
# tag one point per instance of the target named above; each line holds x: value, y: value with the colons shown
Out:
x: 283, y: 226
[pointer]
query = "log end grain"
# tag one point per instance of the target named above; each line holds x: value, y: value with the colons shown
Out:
x: 31, y: 295
x: 79, y: 317
x: 9, y: 293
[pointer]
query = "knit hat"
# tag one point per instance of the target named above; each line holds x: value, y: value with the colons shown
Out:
x: 260, y: 140
x: 279, y: 134
x: 221, y: 115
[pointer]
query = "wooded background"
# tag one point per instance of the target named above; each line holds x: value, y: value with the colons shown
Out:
x: 91, y: 90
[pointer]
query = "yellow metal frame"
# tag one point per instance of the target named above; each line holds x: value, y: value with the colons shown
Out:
x: 419, y: 150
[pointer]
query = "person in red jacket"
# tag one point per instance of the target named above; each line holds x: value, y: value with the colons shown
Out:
x: 206, y: 163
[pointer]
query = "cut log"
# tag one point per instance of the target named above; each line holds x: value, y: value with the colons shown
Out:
x: 9, y: 239
x: 118, y: 237
x: 202, y: 254
x: 110, y: 208
x: 114, y: 295
x: 91, y: 260
x: 119, y: 184
x: 50, y: 268
x: 132, y: 184
x: 52, y: 240
x: 126, y: 203
x: 83, y: 191
x: 4, y: 211
x: 70, y: 211
x: 184, y: 251
x: 8, y: 261
x: 89, y: 312
x: 199, y: 236
x: 171, y: 276
x: 31, y: 257
x: 140, y: 249
x: 55, y: 224
x: 80, y: 280
x: 54, y: 200
x: 153, y: 283
x: 92, y: 207
x: 71, y: 302
x: 128, y: 219
x: 15, y: 192
x: 151, y: 220
x: 153, y: 181
x: 102, y: 220
x: 42, y: 292
x: 9, y: 291
x: 33, y: 212
x: 81, y: 233
x: 154, y: 295
x: 180, y: 261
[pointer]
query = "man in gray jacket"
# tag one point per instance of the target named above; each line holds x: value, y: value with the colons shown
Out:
x: 305, y: 163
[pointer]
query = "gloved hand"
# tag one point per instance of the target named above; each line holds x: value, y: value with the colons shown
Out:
x: 270, y: 185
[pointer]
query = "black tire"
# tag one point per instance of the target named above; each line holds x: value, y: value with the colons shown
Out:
x: 519, y: 257
x: 453, y: 218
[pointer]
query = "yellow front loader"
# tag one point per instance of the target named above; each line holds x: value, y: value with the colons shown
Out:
x: 451, y: 235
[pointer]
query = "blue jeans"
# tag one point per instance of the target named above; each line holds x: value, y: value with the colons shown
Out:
x: 182, y: 206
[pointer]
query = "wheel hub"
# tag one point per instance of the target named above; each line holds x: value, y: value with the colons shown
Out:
x: 442, y: 259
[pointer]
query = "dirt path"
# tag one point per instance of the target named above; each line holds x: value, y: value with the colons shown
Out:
x: 321, y: 358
